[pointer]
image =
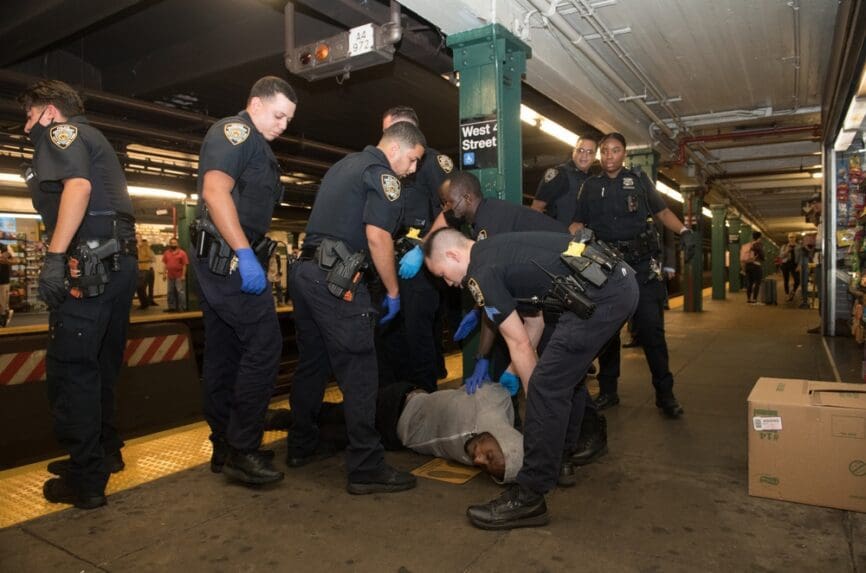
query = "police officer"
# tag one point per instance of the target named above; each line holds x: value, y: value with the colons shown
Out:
x: 78, y: 187
x: 557, y: 191
x: 500, y: 270
x: 618, y: 205
x: 239, y: 184
x: 357, y: 210
x: 417, y: 344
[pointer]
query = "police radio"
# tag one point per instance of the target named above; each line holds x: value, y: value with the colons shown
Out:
x: 569, y: 293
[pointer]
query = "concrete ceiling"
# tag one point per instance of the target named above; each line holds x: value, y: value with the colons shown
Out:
x: 728, y: 91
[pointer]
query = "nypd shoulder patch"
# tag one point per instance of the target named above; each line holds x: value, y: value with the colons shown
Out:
x: 475, y: 291
x: 445, y: 163
x: 63, y: 135
x: 550, y: 174
x: 236, y: 132
x: 390, y: 186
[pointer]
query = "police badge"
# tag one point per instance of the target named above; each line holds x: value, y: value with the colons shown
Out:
x: 236, y: 132
x: 475, y: 291
x: 390, y: 186
x: 63, y: 135
x: 445, y: 163
x: 550, y: 174
x: 628, y: 182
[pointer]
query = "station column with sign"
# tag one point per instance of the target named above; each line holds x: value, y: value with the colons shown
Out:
x: 491, y: 62
x: 734, y: 254
x: 693, y: 271
x: 719, y: 249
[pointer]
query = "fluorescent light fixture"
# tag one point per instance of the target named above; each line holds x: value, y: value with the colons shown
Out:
x: 12, y: 178
x: 669, y: 191
x: 193, y: 197
x: 36, y: 216
x: 707, y: 212
x: 155, y: 193
x: 548, y: 126
x: 817, y: 175
x: 844, y: 139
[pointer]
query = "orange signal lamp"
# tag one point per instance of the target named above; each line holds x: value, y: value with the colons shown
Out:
x: 322, y: 51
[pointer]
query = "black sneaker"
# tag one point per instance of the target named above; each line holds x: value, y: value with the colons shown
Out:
x: 113, y: 463
x: 605, y: 401
x: 516, y: 507
x: 670, y: 407
x: 592, y: 443
x: 385, y: 480
x: 221, y: 452
x: 58, y: 490
x: 250, y: 468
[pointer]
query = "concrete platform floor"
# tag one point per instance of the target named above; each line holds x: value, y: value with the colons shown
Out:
x: 670, y: 495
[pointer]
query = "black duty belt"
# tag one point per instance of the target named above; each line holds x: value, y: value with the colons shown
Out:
x: 129, y: 247
x: 308, y: 253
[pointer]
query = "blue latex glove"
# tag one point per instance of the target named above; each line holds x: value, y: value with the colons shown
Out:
x: 467, y: 325
x: 391, y: 306
x: 253, y: 279
x: 510, y: 381
x: 411, y: 263
x: 479, y: 375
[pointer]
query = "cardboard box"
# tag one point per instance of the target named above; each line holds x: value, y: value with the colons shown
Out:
x: 807, y: 442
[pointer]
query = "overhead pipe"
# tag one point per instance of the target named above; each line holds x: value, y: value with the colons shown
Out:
x: 200, y: 119
x: 815, y: 129
x: 394, y: 26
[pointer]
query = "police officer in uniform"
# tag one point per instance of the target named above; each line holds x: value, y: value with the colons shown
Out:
x: 557, y: 191
x: 357, y: 209
x: 500, y: 270
x: 87, y: 280
x: 416, y: 345
x: 239, y: 184
x: 618, y: 205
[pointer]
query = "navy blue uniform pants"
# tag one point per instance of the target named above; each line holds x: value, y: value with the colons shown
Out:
x: 409, y: 342
x: 86, y: 341
x: 242, y: 349
x: 334, y: 336
x: 649, y: 326
x: 556, y: 399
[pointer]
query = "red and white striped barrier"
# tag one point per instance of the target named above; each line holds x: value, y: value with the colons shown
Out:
x: 21, y: 367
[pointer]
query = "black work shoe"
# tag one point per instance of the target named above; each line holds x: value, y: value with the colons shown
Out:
x: 221, y: 452
x: 385, y: 480
x: 515, y: 507
x: 592, y: 443
x: 670, y: 407
x: 567, y: 477
x: 58, y: 490
x: 324, y: 451
x: 112, y: 462
x: 605, y: 401
x: 250, y: 468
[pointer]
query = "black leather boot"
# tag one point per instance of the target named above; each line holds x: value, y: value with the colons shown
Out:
x: 606, y: 400
x: 516, y: 507
x: 113, y: 463
x: 250, y: 468
x: 669, y: 406
x: 384, y: 480
x: 592, y: 443
x: 58, y: 490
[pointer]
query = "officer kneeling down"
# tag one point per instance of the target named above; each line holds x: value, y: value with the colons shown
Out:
x: 597, y: 292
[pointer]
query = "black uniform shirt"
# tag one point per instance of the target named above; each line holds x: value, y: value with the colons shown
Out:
x: 358, y: 190
x: 495, y: 217
x: 234, y: 146
x: 501, y: 269
x: 617, y: 209
x: 421, y: 190
x: 558, y: 188
x: 76, y: 149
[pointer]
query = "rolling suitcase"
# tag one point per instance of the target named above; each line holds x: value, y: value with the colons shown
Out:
x: 767, y: 293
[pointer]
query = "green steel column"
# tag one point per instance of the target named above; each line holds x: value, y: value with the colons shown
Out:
x: 647, y: 160
x: 717, y: 258
x: 693, y: 272
x: 733, y: 239
x: 491, y: 62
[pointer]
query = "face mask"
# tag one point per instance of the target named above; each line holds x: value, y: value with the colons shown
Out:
x: 453, y: 220
x: 172, y: 247
x: 38, y: 130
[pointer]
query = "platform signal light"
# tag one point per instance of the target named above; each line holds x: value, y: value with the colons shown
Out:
x: 322, y: 52
x: 305, y: 58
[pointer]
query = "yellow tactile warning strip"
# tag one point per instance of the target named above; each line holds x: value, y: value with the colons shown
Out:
x: 147, y: 458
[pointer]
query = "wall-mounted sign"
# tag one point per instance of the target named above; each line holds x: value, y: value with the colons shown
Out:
x: 478, y: 143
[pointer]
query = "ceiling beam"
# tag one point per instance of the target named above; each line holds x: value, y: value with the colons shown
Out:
x: 37, y: 25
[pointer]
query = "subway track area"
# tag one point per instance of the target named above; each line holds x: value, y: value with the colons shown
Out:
x: 669, y: 496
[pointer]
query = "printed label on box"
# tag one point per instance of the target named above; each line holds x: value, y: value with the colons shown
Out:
x: 767, y: 423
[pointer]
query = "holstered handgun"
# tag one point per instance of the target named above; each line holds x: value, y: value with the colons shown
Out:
x: 87, y: 269
x: 570, y: 293
x: 345, y: 269
x: 207, y: 243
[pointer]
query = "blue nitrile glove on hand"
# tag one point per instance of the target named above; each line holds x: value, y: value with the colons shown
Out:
x: 391, y: 306
x: 253, y: 280
x: 467, y: 325
x: 479, y: 376
x: 510, y: 382
x: 411, y: 263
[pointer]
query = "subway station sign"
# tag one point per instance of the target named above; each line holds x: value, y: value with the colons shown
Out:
x: 478, y: 143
